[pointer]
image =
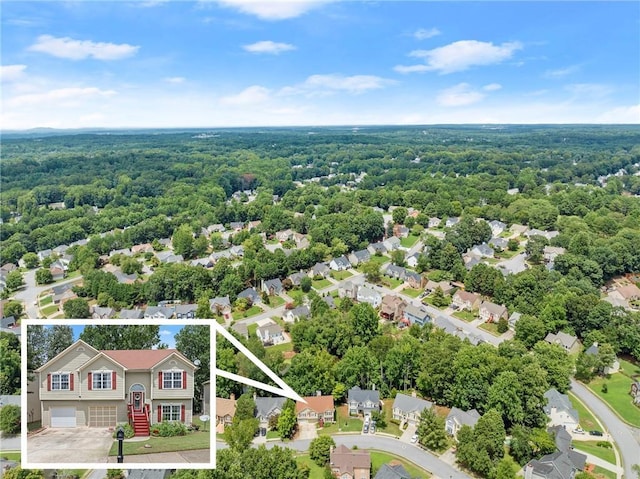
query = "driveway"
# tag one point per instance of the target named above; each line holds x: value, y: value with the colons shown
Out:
x: 198, y: 456
x: 408, y: 433
x: 307, y: 430
x: 70, y: 445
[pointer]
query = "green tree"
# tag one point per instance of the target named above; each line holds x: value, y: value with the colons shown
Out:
x: 358, y: 367
x: 77, y: 308
x: 31, y: 260
x: 398, y: 257
x: 371, y: 270
x: 504, y: 397
x: 305, y: 284
x: 530, y: 330
x: 10, y: 365
x: 14, y: 280
x: 36, y: 346
x: 58, y: 338
x: 364, y: 321
x: 319, y: 449
x: 379, y: 418
x: 245, y: 407
x: 10, y: 419
x: 503, y: 325
x: 557, y: 362
x: 431, y: 432
x: 287, y: 423
x: 439, y: 299
x: 193, y: 341
x: 13, y: 308
x: 240, y: 433
x: 513, y: 244
x: 520, y: 447
x: 204, y: 309
x: 19, y: 473
x: 506, y: 468
x: 399, y: 214
x: 182, y: 241
x: 44, y: 276
x: 122, y: 337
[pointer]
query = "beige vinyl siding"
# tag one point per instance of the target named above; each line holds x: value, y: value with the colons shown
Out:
x: 70, y: 362
x: 188, y: 412
x: 143, y: 378
x: 173, y: 363
x: 102, y: 365
x: 81, y: 411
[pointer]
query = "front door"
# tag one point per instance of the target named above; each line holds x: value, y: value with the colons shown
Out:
x: 138, y: 400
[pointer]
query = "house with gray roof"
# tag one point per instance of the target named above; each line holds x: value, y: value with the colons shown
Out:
x: 458, y: 418
x: 158, y: 312
x: 392, y: 243
x: 359, y: 257
x: 269, y: 332
x: 368, y: 295
x: 296, y: 314
x: 491, y: 312
x: 319, y: 269
x: 408, y: 408
x: 131, y: 314
x: 567, y: 341
x: 497, y: 227
x: 483, y: 250
x: 98, y: 312
x: 562, y: 464
x: 241, y: 329
x: 377, y: 248
x: 186, y: 311
x: 363, y: 401
x: 416, y: 315
x: 452, y: 221
x: 272, y: 287
x: 340, y: 263
x: 500, y: 243
x: 267, y: 407
x: 614, y: 367
x: 250, y: 294
x: 395, y: 471
x: 296, y: 278
x: 560, y: 410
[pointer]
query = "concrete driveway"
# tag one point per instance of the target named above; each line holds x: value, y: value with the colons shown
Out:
x: 69, y: 445
x: 307, y: 430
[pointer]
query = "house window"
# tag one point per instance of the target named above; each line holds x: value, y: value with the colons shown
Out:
x: 60, y: 382
x: 101, y: 379
x: 172, y: 380
x: 171, y: 412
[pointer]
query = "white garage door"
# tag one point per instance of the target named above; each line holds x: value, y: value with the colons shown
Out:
x: 63, y: 417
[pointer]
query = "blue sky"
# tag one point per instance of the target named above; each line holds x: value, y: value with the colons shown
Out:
x: 167, y: 334
x: 237, y: 63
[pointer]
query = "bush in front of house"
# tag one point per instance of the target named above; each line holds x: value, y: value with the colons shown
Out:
x: 128, y: 430
x: 10, y: 419
x: 169, y: 429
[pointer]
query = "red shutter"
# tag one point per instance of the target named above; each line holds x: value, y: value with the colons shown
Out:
x: 48, y: 382
x: 71, y: 376
x: 184, y: 380
x: 113, y: 380
x: 90, y: 382
x: 182, y: 411
x: 159, y: 379
x: 159, y: 413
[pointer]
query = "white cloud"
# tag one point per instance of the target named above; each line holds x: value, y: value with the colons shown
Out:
x: 588, y: 90
x: 411, y: 68
x: 249, y: 96
x: 464, y: 54
x: 60, y: 96
x: 268, y: 46
x: 273, y: 10
x: 165, y: 332
x: 12, y: 73
x: 424, y: 33
x: 326, y: 84
x: 621, y: 114
x: 492, y: 87
x: 80, y: 49
x: 561, y: 72
x: 174, y: 79
x: 461, y: 94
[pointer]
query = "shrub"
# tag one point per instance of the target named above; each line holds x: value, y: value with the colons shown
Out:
x: 10, y: 419
x: 503, y: 325
x: 605, y: 444
x: 128, y: 430
x: 169, y: 429
x: 115, y: 474
x: 605, y: 388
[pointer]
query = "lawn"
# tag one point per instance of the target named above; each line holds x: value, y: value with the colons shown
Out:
x: 344, y: 423
x: 315, y: 471
x: 11, y: 456
x: 618, y: 397
x: 587, y: 421
x: 413, y: 293
x: 46, y: 300
x: 252, y: 311
x: 340, y: 275
x: 193, y: 440
x: 276, y: 301
x: 490, y: 327
x: 283, y: 347
x: 392, y: 283
x: 629, y: 369
x: 321, y: 283
x: 506, y: 254
x: 465, y: 315
x: 590, y: 447
x: 391, y: 428
x: 379, y: 458
x: 602, y: 472
x: 409, y: 241
x: 251, y: 330
x: 49, y: 310
x: 379, y: 259
x: 429, y: 300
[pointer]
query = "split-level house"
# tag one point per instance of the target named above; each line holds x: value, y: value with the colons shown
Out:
x: 82, y: 386
x: 569, y: 342
x: 316, y: 409
x: 416, y: 315
x: 359, y: 257
x: 392, y: 307
x: 408, y: 408
x: 466, y: 300
x: 458, y: 418
x: 347, y: 463
x: 560, y: 410
x: 363, y: 401
x: 268, y: 407
x: 492, y: 313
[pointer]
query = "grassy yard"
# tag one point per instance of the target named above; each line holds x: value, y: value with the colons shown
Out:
x: 49, y: 310
x: 315, y: 471
x: 392, y: 282
x: 276, y: 301
x: 46, y: 300
x: 252, y: 311
x: 429, y: 300
x: 601, y: 472
x: 506, y: 254
x: 590, y: 447
x: 251, y: 330
x: 321, y: 283
x: 490, y: 327
x: 284, y: 347
x: 391, y: 428
x: 11, y: 456
x: 193, y: 440
x: 587, y: 421
x: 618, y: 397
x: 409, y: 241
x: 379, y: 458
x: 379, y: 259
x: 414, y: 293
x: 344, y: 423
x: 340, y: 275
x: 273, y: 435
x: 629, y: 369
x: 465, y: 315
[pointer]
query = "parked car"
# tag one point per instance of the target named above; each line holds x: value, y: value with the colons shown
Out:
x: 578, y: 430
x: 373, y: 428
x: 366, y: 428
x: 595, y: 432
x: 414, y: 439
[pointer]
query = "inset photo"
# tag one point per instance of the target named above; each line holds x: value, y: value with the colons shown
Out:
x: 112, y: 394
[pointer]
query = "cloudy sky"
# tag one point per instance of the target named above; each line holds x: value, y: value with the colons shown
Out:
x: 243, y: 63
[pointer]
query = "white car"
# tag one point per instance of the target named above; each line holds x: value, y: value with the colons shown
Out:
x: 414, y: 439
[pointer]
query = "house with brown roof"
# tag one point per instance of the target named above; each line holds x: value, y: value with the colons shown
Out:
x: 392, y: 307
x: 466, y: 300
x: 347, y: 463
x: 225, y: 411
x: 317, y: 409
x: 629, y: 292
x: 82, y: 386
x: 569, y: 342
x: 491, y: 312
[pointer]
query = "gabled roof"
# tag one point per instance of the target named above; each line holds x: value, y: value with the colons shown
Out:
x: 143, y: 358
x: 396, y: 471
x: 417, y: 311
x: 266, y: 405
x: 562, y: 338
x: 467, y: 296
x: 319, y: 404
x: 347, y: 460
x: 79, y: 342
x: 560, y: 402
x: 493, y: 308
x: 131, y: 314
x: 225, y: 407
x: 363, y: 395
x: 470, y: 418
x: 411, y: 404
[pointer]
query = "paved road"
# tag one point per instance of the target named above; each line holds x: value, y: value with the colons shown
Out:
x: 9, y: 443
x: 29, y: 294
x: 413, y: 453
x: 619, y: 431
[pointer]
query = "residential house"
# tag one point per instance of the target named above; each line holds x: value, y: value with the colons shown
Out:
x: 560, y: 410
x: 61, y: 299
x: 158, y: 312
x: 272, y: 287
x: 319, y: 270
x: 57, y: 273
x: 408, y: 408
x: 392, y: 307
x: 142, y: 248
x: 302, y: 241
x: 316, y: 409
x: 168, y: 257
x: 412, y: 260
x: 483, y: 251
x: 434, y: 222
x: 359, y: 257
x: 458, y: 418
x: 452, y: 221
x: 629, y: 292
x: 339, y: 264
x: 348, y: 289
x: 363, y: 401
x: 377, y: 248
x: 392, y: 243
x: 550, y: 253
x: 414, y: 280
x: 562, y: 464
x: 250, y: 294
x: 416, y: 315
x: 98, y: 312
x: 466, y: 300
x: 124, y: 252
x: 330, y: 302
x: 225, y: 411
x: 61, y: 250
x: 268, y: 407
x: 131, y: 314
x: 549, y: 235
x: 513, y: 319
x: 445, y: 286
x: 634, y: 391
x: 499, y: 243
x: 124, y: 278
x: 296, y: 314
x: 8, y: 322
x: 236, y: 226
x: 567, y: 341
x: 470, y: 260
x: 392, y: 471
x: 253, y: 224
x: 497, y: 227
x: 45, y: 253
x: 400, y: 231
x: 82, y: 386
x: 237, y: 251
x: 491, y: 313
x: 284, y: 235
x: 348, y: 463
x: 610, y: 369
x: 219, y: 304
x: 296, y: 278
x: 368, y: 295
x: 269, y: 332
x: 186, y: 311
